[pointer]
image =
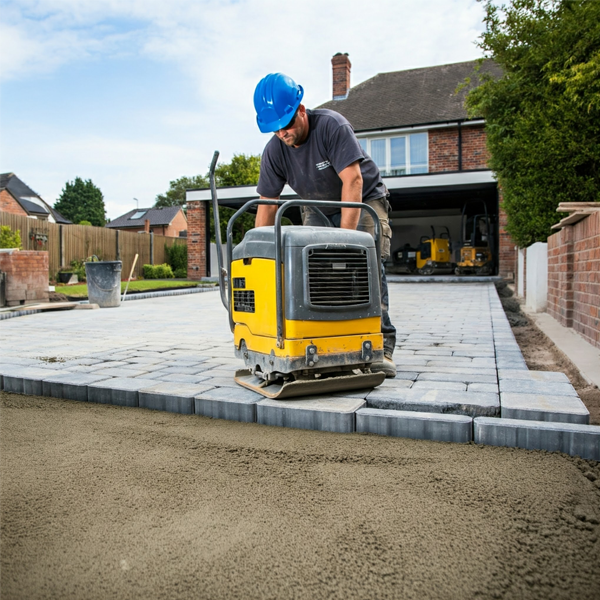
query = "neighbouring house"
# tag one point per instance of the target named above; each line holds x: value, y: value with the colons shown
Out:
x: 18, y: 198
x: 432, y: 157
x: 168, y: 220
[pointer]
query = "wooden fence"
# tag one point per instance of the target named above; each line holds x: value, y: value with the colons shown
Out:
x: 65, y: 243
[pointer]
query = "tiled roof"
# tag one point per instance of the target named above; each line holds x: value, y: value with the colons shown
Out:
x: 157, y: 217
x: 23, y: 194
x: 406, y: 98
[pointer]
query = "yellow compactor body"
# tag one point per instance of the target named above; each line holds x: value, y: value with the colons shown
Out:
x: 329, y: 326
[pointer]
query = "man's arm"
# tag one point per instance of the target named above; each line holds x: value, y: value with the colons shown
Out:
x: 352, y: 185
x: 265, y: 213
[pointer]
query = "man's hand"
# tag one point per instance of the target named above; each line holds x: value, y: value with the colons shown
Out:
x: 352, y: 185
x: 265, y: 213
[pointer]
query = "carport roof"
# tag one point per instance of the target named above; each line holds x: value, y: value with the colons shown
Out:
x: 408, y: 98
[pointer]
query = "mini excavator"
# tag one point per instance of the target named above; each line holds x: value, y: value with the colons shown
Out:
x: 303, y: 302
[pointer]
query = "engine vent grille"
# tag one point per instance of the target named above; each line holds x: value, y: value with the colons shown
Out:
x: 243, y: 301
x: 338, y: 277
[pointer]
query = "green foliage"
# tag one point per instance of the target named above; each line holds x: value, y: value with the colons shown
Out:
x: 175, y: 195
x: 86, y: 223
x: 163, y: 271
x: 543, y: 114
x: 242, y: 170
x: 8, y: 238
x: 180, y: 273
x: 82, y: 201
x: 77, y: 267
x: 176, y: 256
x: 148, y: 272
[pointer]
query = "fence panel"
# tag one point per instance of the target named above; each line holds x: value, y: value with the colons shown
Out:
x: 80, y: 242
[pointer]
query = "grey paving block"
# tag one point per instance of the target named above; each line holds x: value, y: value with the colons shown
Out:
x: 471, y: 404
x: 512, y: 365
x: 409, y: 375
x: 492, y: 388
x: 573, y: 439
x: 181, y: 378
x: 226, y: 382
x: 457, y: 386
x: 395, y: 382
x: 460, y: 377
x: 121, y: 391
x: 193, y: 370
x: 170, y: 397
x: 105, y: 364
x: 543, y: 407
x: 232, y: 404
x: 318, y: 413
x: 415, y: 425
x: 521, y: 375
x: 122, y: 371
x: 525, y: 386
x: 72, y: 386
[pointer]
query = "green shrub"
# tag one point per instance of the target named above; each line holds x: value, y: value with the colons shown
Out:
x: 180, y: 273
x: 163, y: 271
x: 176, y: 256
x: 8, y: 238
x: 78, y: 267
x: 148, y: 272
x: 87, y: 223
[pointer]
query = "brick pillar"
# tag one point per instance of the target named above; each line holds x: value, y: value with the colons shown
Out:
x: 560, y: 276
x: 506, y: 246
x: 197, y: 213
x: 341, y: 75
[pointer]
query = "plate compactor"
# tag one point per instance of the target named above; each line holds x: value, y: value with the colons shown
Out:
x: 313, y: 325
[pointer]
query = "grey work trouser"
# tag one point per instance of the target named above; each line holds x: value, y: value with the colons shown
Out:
x: 380, y: 205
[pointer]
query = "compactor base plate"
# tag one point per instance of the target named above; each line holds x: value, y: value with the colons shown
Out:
x: 308, y: 387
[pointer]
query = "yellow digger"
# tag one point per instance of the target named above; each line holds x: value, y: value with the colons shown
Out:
x: 476, y: 256
x: 433, y: 254
x: 303, y: 303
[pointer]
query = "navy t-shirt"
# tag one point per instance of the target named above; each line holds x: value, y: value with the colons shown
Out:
x: 312, y: 168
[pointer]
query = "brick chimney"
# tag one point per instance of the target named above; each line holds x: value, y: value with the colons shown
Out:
x: 147, y: 226
x: 341, y: 75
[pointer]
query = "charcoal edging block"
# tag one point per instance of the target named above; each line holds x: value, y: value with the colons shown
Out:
x: 570, y: 438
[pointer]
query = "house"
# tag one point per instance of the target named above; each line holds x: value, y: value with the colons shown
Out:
x: 432, y: 157
x: 168, y: 220
x: 18, y: 198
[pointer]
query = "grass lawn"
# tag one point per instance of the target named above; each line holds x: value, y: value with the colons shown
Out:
x: 145, y: 285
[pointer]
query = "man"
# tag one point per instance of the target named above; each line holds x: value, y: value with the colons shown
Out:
x: 318, y: 155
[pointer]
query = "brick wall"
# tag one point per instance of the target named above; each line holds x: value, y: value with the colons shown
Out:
x: 474, y: 150
x: 9, y: 204
x: 26, y: 276
x: 443, y: 150
x: 196, y: 240
x: 574, y: 277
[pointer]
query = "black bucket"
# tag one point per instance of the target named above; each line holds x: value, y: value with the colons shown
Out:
x: 104, y: 282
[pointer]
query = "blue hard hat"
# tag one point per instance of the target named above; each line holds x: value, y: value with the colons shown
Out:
x: 276, y: 99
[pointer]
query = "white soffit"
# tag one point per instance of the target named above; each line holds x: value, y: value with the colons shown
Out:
x: 247, y: 192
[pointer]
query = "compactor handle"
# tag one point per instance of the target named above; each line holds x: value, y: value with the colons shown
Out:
x: 215, y: 205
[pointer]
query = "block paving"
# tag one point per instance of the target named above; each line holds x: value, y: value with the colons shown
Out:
x: 461, y: 375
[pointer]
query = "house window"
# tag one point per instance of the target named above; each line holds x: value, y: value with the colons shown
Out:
x: 138, y: 215
x: 398, y: 155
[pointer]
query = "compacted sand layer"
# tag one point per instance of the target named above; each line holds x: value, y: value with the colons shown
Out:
x: 108, y: 502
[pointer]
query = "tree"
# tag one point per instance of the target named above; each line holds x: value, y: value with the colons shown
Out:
x: 175, y: 196
x: 543, y: 114
x: 82, y: 201
x: 242, y: 170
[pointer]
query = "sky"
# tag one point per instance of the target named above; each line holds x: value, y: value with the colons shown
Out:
x: 133, y: 94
